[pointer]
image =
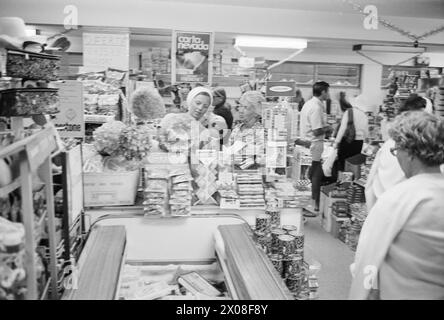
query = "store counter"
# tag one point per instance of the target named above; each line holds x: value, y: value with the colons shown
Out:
x: 289, y: 216
x: 157, y: 245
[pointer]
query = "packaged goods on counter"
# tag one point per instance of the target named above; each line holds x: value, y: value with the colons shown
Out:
x: 289, y: 228
x: 298, y: 239
x: 277, y: 261
x: 155, y: 192
x: 286, y: 245
x: 168, y: 192
x: 172, y: 282
x: 292, y: 266
x: 263, y: 223
x: 275, y: 233
x: 275, y: 216
x: 250, y: 189
x: 195, y: 283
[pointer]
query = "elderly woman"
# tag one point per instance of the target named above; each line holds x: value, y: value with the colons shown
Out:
x: 250, y: 131
x: 400, y: 253
x: 385, y: 171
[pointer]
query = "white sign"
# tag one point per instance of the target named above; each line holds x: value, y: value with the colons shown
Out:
x: 106, y: 50
x: 245, y: 62
x: 71, y: 115
x: 276, y: 155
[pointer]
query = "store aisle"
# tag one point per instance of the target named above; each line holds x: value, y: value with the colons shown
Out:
x: 335, y: 258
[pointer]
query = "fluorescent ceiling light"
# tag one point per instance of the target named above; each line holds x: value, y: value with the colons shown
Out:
x: 270, y: 42
x: 388, y: 49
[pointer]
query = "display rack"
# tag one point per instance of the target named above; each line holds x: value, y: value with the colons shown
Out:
x: 33, y: 152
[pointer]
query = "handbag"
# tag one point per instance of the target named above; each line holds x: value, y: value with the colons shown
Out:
x: 350, y: 132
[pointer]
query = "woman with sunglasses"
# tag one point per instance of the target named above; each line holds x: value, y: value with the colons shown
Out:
x: 400, y: 254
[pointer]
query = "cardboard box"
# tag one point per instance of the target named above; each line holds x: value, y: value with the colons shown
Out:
x: 336, y: 223
x: 326, y: 209
x: 110, y: 188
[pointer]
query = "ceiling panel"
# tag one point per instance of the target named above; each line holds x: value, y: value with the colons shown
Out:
x: 403, y: 8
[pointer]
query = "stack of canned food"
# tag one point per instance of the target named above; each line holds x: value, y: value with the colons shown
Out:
x: 285, y: 248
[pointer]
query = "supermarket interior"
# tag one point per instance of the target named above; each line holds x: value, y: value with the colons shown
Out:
x: 221, y: 150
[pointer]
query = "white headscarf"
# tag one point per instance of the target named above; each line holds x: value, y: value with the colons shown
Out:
x: 197, y: 91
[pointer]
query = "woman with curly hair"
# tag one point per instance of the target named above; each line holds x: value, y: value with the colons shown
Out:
x: 400, y: 253
x: 385, y: 171
x: 250, y: 131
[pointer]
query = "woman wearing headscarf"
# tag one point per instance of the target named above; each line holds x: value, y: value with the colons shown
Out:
x: 179, y: 129
x: 385, y: 171
x: 400, y: 254
x: 250, y: 131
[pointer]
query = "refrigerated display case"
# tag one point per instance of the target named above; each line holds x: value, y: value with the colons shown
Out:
x: 155, y: 248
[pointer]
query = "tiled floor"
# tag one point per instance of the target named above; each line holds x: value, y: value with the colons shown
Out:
x: 335, y: 258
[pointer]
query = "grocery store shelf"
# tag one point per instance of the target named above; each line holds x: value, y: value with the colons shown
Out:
x: 93, y: 118
x: 360, y: 182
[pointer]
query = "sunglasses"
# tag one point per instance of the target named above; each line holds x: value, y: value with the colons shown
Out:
x: 394, y: 151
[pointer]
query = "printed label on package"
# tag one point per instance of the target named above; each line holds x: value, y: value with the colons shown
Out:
x: 190, y: 56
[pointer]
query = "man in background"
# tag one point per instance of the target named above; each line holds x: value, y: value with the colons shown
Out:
x: 313, y: 128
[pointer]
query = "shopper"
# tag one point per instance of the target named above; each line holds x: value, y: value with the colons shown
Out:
x: 299, y: 99
x: 343, y: 102
x: 352, y: 132
x: 313, y: 128
x: 385, y: 171
x: 174, y: 126
x: 222, y: 114
x: 221, y: 108
x: 400, y: 254
x: 250, y: 131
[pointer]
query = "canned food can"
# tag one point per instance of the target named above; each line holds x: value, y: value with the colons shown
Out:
x: 298, y: 239
x: 286, y: 245
x: 275, y: 233
x: 292, y: 266
x: 263, y: 223
x: 276, y: 260
x: 288, y: 228
x: 257, y: 235
x: 294, y: 283
x: 300, y: 252
x: 264, y: 243
x: 275, y: 216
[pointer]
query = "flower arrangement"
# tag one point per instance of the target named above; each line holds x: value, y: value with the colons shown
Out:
x: 119, y: 146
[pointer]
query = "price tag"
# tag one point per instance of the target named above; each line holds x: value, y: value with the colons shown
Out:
x: 229, y: 203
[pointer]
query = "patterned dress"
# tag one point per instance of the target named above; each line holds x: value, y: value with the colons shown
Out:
x: 253, y: 139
